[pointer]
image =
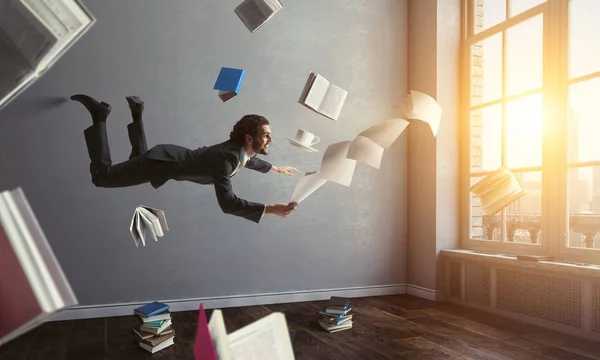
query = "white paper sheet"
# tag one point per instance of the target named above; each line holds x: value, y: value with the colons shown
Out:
x: 307, y: 185
x: 335, y: 166
x: 385, y: 132
x: 365, y: 151
x: 420, y: 106
x: 264, y: 339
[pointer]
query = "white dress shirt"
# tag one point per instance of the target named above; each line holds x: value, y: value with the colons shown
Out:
x: 243, y: 160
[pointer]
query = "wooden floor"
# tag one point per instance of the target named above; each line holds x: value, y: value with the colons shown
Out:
x: 385, y: 327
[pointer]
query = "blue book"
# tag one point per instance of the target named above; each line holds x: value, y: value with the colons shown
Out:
x: 229, y: 82
x: 151, y: 309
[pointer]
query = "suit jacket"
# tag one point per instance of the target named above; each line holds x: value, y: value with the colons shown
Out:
x: 210, y: 165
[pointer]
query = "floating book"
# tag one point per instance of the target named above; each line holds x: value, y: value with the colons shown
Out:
x: 323, y: 97
x: 497, y: 190
x: 255, y: 13
x: 147, y: 223
x: 266, y: 338
x: 33, y: 286
x: 33, y: 36
x: 228, y: 82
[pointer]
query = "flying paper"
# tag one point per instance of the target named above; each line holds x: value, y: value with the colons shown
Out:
x: 368, y: 146
x: 335, y: 166
x: 420, y: 106
x: 307, y: 185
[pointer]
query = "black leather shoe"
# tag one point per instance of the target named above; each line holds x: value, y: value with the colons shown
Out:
x: 98, y: 110
x: 135, y: 104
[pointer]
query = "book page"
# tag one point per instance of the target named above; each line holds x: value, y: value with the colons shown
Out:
x: 317, y: 92
x: 153, y: 219
x: 333, y: 102
x: 420, y: 106
x: 26, y: 31
x: 264, y: 339
x: 306, y: 186
x: 386, y: 132
x: 160, y: 215
x: 71, y: 16
x: 251, y: 15
x: 335, y: 166
x: 133, y: 229
x: 274, y: 5
x: 365, y: 151
x: 59, y: 280
x: 147, y: 228
x: 218, y: 335
x: 139, y: 227
x: 15, y: 71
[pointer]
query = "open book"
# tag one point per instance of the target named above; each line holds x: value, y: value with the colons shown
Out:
x: 33, y: 287
x: 34, y: 34
x: 255, y: 13
x: 322, y: 96
x: 265, y: 339
x: 147, y: 223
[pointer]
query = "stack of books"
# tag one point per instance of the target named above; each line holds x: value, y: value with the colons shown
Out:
x: 336, y: 315
x: 155, y: 333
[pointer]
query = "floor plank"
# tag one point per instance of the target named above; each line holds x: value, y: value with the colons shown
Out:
x: 384, y: 327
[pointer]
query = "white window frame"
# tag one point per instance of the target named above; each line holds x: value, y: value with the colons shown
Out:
x: 554, y: 218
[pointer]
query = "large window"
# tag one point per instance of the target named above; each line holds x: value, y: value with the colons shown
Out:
x: 532, y: 104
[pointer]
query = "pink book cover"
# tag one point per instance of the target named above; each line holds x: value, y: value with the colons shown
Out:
x: 18, y: 303
x: 203, y: 346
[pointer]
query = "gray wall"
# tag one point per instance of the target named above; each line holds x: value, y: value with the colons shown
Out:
x: 169, y: 54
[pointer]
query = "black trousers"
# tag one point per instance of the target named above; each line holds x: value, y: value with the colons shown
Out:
x: 139, y: 169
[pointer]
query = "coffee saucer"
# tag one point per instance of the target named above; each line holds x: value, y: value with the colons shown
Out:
x: 297, y: 144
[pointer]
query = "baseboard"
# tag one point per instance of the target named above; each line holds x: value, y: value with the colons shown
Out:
x: 109, y: 310
x: 428, y: 294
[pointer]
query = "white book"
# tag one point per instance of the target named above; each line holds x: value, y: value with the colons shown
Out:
x: 255, y: 13
x: 147, y: 223
x: 37, y: 288
x: 34, y: 34
x: 323, y: 97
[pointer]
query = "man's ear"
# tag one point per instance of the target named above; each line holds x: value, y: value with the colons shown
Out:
x: 248, y: 139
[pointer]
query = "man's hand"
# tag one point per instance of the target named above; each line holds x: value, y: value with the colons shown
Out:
x: 285, y: 170
x: 281, y: 210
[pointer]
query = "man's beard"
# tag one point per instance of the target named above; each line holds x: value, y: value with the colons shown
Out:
x: 259, y: 149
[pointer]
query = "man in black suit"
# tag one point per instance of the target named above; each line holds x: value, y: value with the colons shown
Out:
x: 213, y: 165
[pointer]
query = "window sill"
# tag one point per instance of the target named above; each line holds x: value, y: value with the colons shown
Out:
x: 504, y: 259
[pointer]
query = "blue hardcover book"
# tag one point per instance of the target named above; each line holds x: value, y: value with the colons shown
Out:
x: 229, y: 82
x: 151, y: 309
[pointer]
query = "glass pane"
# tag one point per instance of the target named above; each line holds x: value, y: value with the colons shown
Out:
x: 486, y: 138
x: 523, y: 217
x: 489, y: 13
x: 584, y: 207
x: 584, y: 121
x: 482, y: 226
x: 519, y: 6
x: 524, y: 56
x: 486, y: 73
x: 584, y: 27
x: 524, y: 132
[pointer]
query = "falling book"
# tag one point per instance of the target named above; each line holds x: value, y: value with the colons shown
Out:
x: 255, y: 13
x: 322, y: 96
x: 34, y: 34
x: 147, y: 223
x: 229, y: 82
x: 266, y: 338
x: 33, y: 287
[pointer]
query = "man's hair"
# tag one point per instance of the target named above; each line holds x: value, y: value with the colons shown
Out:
x: 248, y: 124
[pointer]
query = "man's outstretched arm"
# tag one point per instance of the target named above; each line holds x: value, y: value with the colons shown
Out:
x: 234, y: 205
x: 265, y: 167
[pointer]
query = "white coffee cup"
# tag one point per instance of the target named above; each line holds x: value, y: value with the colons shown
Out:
x: 305, y: 138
